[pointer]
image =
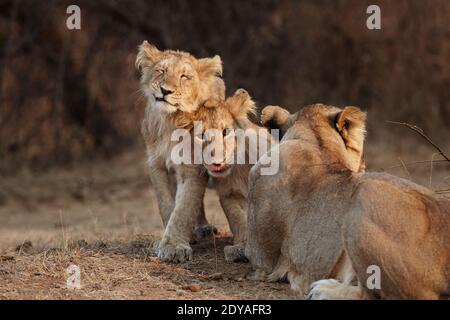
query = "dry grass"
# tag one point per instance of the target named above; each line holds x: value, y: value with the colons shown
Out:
x: 102, y: 217
x: 128, y: 270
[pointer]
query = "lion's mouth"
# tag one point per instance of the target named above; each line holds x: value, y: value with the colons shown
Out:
x: 218, y: 169
x: 164, y: 100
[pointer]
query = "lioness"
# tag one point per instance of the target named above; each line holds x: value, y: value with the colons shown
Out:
x: 176, y: 84
x: 229, y: 134
x: 321, y: 218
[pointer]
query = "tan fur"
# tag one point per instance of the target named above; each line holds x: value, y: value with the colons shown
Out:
x: 176, y: 84
x: 320, y: 217
x: 232, y: 183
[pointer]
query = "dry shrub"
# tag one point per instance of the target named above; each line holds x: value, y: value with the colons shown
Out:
x: 68, y: 95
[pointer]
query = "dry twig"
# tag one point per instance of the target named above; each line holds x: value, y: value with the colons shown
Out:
x: 413, y: 163
x: 420, y: 131
x: 405, y: 168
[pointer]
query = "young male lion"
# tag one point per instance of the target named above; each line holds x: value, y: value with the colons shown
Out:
x: 229, y: 134
x: 320, y: 217
x: 176, y: 84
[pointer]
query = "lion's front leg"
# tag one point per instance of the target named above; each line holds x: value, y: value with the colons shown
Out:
x: 234, y: 207
x: 164, y: 189
x: 174, y: 246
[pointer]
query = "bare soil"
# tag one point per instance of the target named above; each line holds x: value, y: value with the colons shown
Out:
x: 102, y: 217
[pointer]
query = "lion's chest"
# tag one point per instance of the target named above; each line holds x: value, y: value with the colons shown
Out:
x: 161, y: 152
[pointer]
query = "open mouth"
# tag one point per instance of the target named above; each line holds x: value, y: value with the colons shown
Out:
x: 219, y: 168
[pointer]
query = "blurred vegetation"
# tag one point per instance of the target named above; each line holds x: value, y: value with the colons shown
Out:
x: 71, y: 95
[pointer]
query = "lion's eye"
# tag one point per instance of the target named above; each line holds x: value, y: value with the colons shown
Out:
x: 185, y: 77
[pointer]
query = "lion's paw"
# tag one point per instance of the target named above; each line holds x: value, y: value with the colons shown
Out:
x: 177, y: 253
x: 203, y: 232
x: 235, y: 253
x: 324, y: 290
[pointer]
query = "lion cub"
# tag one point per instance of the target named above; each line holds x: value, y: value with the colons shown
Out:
x: 176, y: 85
x: 232, y: 141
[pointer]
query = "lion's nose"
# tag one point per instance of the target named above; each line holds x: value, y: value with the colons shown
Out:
x: 165, y: 91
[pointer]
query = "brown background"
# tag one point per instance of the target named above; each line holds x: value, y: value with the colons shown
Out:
x: 72, y: 162
x: 71, y: 95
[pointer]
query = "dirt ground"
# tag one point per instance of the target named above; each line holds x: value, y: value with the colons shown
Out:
x: 102, y: 217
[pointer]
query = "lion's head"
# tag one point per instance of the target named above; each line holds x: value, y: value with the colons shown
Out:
x: 337, y: 135
x: 176, y: 81
x: 223, y: 129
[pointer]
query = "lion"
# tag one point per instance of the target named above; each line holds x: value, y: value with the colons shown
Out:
x: 223, y: 128
x: 324, y: 224
x: 176, y: 84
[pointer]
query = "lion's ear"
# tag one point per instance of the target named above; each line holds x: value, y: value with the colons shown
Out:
x: 241, y: 104
x: 147, y: 55
x: 210, y: 66
x: 351, y: 125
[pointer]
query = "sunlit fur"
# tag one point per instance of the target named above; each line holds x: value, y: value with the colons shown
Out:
x: 189, y: 84
x: 322, y: 218
x: 231, y: 183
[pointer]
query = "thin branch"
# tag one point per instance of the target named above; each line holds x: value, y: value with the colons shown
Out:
x: 431, y: 168
x: 412, y: 164
x: 405, y: 168
x: 420, y: 131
